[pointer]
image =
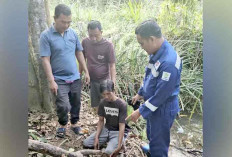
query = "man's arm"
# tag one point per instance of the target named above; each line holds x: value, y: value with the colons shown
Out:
x: 81, y: 68
x: 100, y: 125
x: 82, y: 65
x: 120, y: 138
x: 113, y: 72
x: 166, y: 83
x: 45, y: 53
x: 112, y: 60
x: 83, y: 51
x: 121, y: 134
x: 48, y: 71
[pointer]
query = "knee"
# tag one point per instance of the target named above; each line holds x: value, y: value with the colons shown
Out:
x: 75, y: 98
x: 63, y: 108
x: 109, y: 151
x: 62, y: 112
x: 87, y: 143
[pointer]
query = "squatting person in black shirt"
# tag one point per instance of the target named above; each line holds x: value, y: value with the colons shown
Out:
x: 114, y: 110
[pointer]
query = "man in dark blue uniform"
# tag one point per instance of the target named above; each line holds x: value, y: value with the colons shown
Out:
x: 160, y: 89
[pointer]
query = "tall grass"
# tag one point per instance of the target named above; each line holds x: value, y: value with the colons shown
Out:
x: 181, y: 23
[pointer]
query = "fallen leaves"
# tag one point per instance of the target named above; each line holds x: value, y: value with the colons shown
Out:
x: 42, y: 127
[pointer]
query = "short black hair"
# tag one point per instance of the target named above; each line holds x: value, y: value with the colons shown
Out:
x: 93, y: 24
x: 107, y: 85
x: 148, y: 28
x: 62, y: 9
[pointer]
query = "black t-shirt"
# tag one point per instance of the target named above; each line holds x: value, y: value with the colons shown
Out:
x: 114, y: 112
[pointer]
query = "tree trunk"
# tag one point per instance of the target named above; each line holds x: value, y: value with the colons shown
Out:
x: 40, y: 97
x: 49, y: 21
x: 49, y: 149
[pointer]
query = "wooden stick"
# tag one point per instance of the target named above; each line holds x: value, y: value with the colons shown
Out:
x: 49, y: 149
x: 90, y: 152
x: 62, y: 142
x: 130, y: 151
x: 136, y: 145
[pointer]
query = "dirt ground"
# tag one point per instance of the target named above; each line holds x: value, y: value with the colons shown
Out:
x: 185, y: 142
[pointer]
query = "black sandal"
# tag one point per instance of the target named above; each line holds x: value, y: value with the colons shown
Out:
x: 76, y: 130
x: 61, y: 132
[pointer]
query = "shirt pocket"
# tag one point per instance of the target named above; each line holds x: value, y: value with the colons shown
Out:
x: 152, y: 81
x: 71, y: 44
x: 101, y: 57
x: 149, y: 84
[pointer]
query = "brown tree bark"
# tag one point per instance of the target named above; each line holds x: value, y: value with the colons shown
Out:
x: 49, y: 21
x: 40, y: 97
x: 49, y: 149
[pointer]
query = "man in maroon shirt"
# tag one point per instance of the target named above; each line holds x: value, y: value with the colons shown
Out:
x: 100, y: 57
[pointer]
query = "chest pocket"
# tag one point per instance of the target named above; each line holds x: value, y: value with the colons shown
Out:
x: 71, y: 43
x: 101, y: 55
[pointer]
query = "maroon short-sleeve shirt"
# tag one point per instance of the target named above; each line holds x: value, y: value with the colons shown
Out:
x: 99, y: 55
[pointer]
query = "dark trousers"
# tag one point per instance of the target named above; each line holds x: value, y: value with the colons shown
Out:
x: 68, y: 100
x: 158, y: 128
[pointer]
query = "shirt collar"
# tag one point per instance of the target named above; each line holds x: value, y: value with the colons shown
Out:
x: 97, y: 43
x: 157, y: 55
x: 54, y: 30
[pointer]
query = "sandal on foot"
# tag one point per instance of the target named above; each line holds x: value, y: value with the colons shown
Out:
x: 61, y: 132
x: 76, y: 130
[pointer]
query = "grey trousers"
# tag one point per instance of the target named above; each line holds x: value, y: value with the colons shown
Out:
x: 106, y: 136
x: 68, y: 100
x: 95, y: 93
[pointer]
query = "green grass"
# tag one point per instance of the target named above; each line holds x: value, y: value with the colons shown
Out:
x: 181, y: 24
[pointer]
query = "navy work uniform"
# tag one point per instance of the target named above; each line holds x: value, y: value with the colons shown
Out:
x: 160, y: 90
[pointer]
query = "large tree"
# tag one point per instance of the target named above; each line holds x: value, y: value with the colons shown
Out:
x: 39, y: 96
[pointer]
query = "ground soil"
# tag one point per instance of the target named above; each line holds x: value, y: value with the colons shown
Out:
x: 185, y: 142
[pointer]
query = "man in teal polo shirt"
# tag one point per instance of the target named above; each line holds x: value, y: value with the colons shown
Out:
x: 59, y: 49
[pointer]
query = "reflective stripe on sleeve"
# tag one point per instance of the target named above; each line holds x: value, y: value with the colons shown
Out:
x: 150, y: 106
x: 178, y: 61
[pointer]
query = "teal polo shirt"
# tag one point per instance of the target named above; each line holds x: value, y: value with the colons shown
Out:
x: 61, y: 50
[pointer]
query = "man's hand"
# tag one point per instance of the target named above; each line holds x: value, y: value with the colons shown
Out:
x: 115, y: 153
x: 96, y: 143
x: 136, y: 98
x: 87, y: 79
x: 134, y: 116
x: 53, y: 87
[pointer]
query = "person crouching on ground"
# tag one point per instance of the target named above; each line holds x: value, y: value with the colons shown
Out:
x: 114, y: 110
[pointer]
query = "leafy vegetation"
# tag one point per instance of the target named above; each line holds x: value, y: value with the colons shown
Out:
x: 181, y: 23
